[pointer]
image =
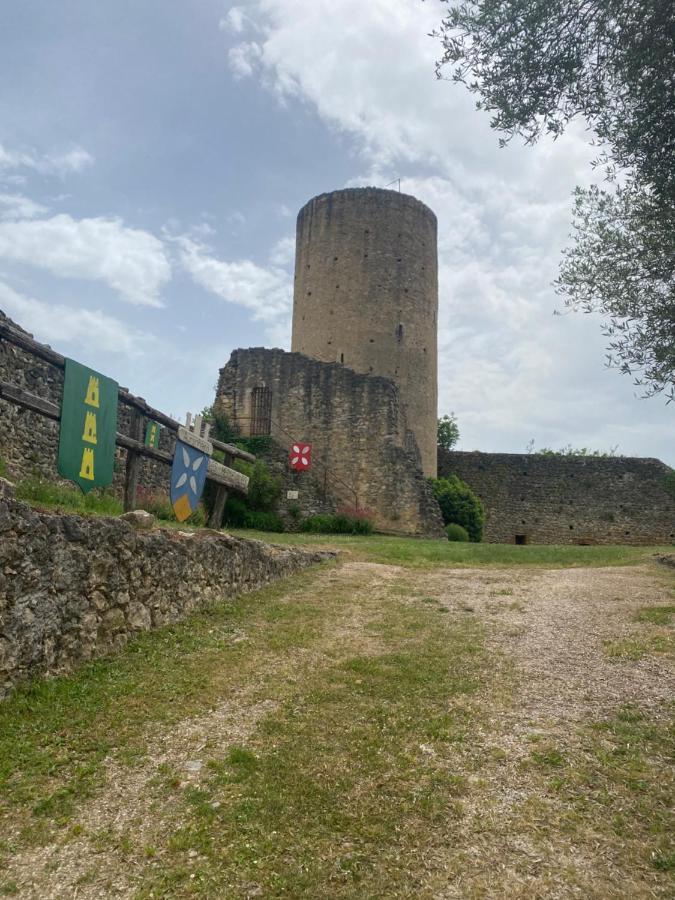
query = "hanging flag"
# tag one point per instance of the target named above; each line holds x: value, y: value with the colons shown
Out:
x: 300, y: 457
x: 88, y: 427
x: 152, y: 435
x: 188, y: 473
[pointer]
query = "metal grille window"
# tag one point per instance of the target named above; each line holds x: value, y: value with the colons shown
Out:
x: 261, y: 411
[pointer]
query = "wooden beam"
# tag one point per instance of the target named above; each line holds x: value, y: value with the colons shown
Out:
x: 218, y: 509
x: 134, y: 463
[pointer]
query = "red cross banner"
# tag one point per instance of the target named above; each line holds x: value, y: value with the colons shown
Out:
x: 300, y: 457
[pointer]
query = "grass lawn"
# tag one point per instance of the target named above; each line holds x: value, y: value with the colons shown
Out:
x: 423, y: 553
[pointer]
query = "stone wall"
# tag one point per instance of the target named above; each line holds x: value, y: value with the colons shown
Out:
x: 29, y: 442
x: 355, y: 424
x: 568, y: 499
x: 366, y: 295
x: 73, y: 588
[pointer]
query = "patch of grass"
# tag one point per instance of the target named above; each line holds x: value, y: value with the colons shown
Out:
x: 40, y: 492
x: 655, y: 615
x: 55, y: 734
x: 348, y: 782
x: 425, y: 553
x: 637, y: 648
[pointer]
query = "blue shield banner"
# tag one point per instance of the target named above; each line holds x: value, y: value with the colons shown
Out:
x: 188, y: 475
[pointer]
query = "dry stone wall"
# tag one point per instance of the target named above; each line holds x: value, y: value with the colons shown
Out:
x: 541, y: 499
x: 74, y: 588
x: 355, y: 424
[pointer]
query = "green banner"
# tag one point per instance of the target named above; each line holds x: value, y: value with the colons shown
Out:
x: 152, y: 435
x: 88, y: 427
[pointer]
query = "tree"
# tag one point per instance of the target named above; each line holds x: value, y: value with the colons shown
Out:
x: 539, y: 64
x: 448, y: 431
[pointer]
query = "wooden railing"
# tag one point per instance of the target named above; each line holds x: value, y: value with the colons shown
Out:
x: 224, y: 476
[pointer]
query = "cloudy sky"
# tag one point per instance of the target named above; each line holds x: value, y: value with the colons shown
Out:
x: 154, y: 154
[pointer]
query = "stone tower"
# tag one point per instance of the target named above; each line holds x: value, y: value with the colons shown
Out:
x: 366, y: 295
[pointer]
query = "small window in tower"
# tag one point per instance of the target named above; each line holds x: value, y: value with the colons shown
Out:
x: 342, y: 357
x: 399, y: 333
x: 261, y: 410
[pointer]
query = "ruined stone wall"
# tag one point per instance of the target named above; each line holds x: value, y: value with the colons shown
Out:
x: 29, y: 442
x: 568, y: 499
x: 355, y: 424
x: 366, y: 295
x: 74, y: 588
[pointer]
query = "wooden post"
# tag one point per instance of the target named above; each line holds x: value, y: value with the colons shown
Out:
x: 216, y: 517
x: 133, y: 463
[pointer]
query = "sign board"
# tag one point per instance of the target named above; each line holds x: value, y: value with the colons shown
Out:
x: 300, y: 457
x: 152, y: 435
x: 292, y: 495
x: 188, y: 473
x: 88, y: 427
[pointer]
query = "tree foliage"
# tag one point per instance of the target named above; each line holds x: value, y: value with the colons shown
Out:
x: 459, y: 505
x: 538, y: 64
x: 448, y: 431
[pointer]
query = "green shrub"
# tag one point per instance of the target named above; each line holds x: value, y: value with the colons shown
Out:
x: 456, y: 532
x: 235, y: 512
x: 3, y: 468
x: 263, y: 521
x: 264, y: 489
x: 341, y: 523
x: 459, y: 505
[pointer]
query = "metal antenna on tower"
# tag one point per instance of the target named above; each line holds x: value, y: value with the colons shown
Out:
x: 395, y: 181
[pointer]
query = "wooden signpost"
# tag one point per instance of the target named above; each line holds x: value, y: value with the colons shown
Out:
x: 190, y: 464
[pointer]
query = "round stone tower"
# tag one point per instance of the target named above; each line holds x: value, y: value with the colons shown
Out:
x: 366, y: 295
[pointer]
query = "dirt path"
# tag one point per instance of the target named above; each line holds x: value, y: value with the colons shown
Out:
x: 552, y: 632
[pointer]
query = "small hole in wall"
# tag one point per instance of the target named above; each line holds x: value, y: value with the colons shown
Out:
x: 365, y: 256
x: 399, y: 259
x: 309, y: 293
x: 370, y: 368
x: 571, y: 527
x: 399, y: 333
x: 335, y: 259
x: 337, y: 286
x: 372, y: 340
x: 342, y: 357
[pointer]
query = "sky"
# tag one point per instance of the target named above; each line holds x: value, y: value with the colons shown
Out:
x: 154, y: 155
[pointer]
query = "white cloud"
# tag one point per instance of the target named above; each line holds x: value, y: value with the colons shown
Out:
x: 244, y: 58
x: 17, y: 206
x: 267, y: 292
x: 283, y: 252
x: 59, y: 324
x: 132, y: 262
x: 61, y: 164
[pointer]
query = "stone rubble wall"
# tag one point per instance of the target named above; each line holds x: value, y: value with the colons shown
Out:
x: 75, y: 588
x: 568, y: 499
x: 355, y: 423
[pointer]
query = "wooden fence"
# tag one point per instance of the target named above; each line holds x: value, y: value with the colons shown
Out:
x: 226, y: 478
